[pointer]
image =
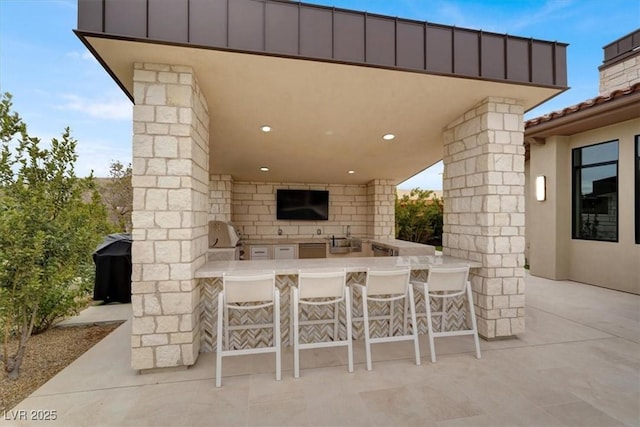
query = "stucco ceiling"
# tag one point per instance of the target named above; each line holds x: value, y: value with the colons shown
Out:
x: 326, y: 118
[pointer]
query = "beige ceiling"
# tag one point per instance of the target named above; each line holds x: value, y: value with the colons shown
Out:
x: 327, y: 118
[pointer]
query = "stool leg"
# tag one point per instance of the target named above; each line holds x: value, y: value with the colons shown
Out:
x: 391, y: 316
x: 336, y: 314
x: 406, y: 314
x: 347, y: 307
x: 472, y: 313
x: 443, y: 316
x: 296, y: 336
x: 227, y: 341
x: 427, y: 301
x: 291, y: 316
x: 412, y: 308
x: 219, y: 340
x: 276, y: 333
x: 365, y: 314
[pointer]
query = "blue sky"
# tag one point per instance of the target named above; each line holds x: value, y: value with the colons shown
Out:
x: 56, y: 82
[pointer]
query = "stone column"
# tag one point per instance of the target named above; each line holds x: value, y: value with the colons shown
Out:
x: 170, y: 204
x: 381, y: 209
x: 220, y: 196
x: 484, y: 209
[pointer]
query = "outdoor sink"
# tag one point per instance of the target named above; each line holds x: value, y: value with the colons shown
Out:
x: 340, y: 242
x: 344, y: 245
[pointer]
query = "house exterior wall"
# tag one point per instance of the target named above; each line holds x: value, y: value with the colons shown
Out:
x: 170, y: 203
x: 527, y: 203
x: 621, y: 75
x: 549, y: 257
x: 553, y: 252
x: 484, y: 206
x: 369, y: 209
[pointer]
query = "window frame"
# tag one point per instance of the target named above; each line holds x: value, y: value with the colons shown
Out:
x: 574, y: 185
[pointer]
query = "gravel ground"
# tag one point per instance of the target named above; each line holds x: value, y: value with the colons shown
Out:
x: 46, y: 355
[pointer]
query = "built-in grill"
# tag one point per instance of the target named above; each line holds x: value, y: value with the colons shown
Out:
x: 223, y: 235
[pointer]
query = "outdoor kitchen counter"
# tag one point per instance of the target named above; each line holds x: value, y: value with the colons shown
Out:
x: 352, y: 265
x: 401, y: 247
x: 210, y: 280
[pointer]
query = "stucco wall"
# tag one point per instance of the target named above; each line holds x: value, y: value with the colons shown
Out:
x: 549, y: 221
x: 527, y: 202
x: 553, y: 253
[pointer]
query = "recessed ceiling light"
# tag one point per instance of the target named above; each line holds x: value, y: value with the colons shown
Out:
x: 388, y: 136
x: 266, y: 128
x: 351, y: 172
x: 264, y: 169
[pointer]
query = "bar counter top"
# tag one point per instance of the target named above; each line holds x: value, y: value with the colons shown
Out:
x: 291, y: 266
x: 393, y: 243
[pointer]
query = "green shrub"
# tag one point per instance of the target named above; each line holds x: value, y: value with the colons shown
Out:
x: 419, y: 217
x: 48, y: 232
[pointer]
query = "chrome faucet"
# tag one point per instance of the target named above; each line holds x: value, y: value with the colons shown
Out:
x: 348, y: 231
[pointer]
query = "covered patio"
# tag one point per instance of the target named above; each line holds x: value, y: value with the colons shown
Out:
x: 578, y: 364
x: 332, y: 85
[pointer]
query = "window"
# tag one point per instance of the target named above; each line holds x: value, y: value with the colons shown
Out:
x: 595, y: 192
x: 638, y: 189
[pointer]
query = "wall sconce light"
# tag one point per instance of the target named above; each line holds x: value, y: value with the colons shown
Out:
x: 541, y: 188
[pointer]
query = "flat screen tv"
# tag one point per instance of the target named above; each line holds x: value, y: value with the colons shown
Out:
x: 302, y: 204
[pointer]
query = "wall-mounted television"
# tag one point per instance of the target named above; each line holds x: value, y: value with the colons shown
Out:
x: 302, y: 204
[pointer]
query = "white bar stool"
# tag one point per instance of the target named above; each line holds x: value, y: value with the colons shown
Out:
x: 320, y: 288
x: 388, y: 286
x: 450, y: 282
x: 247, y: 292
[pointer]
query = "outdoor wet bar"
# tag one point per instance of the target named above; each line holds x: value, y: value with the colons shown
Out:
x: 210, y: 282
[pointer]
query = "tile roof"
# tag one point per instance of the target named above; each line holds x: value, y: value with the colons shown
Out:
x: 589, y: 103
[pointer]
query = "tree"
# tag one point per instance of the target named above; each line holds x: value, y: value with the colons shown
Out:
x: 47, y: 233
x: 117, y: 194
x: 419, y: 217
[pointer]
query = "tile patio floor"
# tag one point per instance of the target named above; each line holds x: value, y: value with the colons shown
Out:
x: 578, y: 364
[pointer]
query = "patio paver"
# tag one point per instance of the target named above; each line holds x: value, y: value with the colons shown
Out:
x: 572, y: 367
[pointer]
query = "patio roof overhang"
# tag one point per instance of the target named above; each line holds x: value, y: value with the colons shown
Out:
x: 330, y: 82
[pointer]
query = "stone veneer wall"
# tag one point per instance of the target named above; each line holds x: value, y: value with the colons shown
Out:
x: 368, y: 209
x: 381, y: 197
x: 220, y: 200
x: 254, y: 210
x: 621, y: 75
x: 170, y: 205
x: 484, y: 209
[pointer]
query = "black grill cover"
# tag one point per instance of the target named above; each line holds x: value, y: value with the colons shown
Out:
x: 113, y: 269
